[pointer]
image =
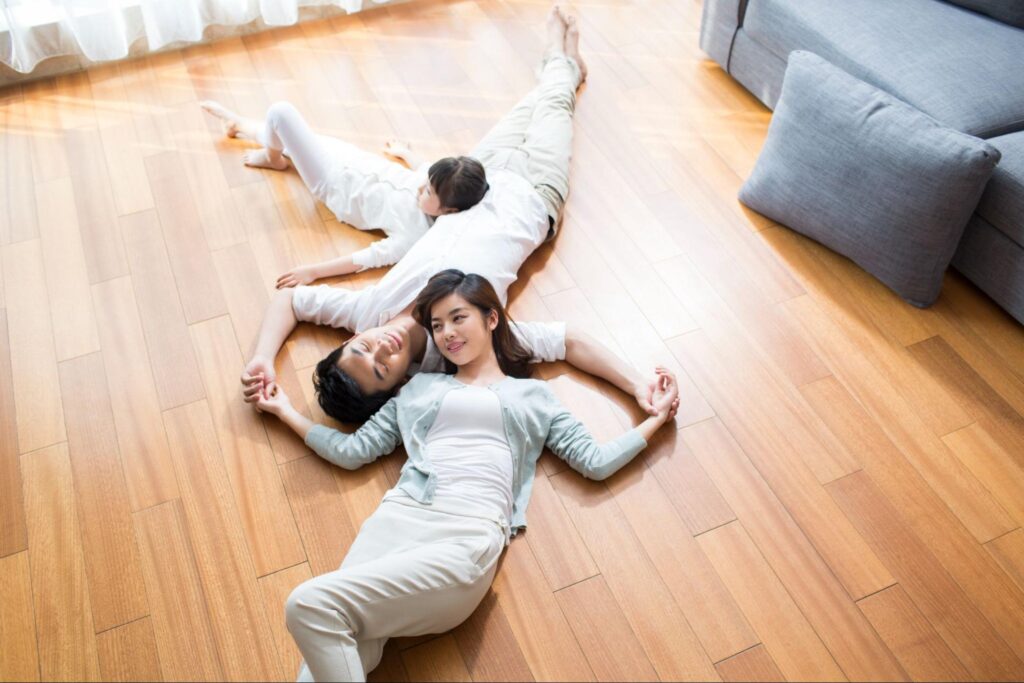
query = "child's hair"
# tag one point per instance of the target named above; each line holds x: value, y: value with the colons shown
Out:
x: 458, y: 182
x: 513, y: 358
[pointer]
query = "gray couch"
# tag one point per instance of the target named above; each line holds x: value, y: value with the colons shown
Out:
x: 964, y: 68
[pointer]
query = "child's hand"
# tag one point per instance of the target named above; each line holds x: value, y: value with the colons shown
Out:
x: 300, y: 275
x: 398, y: 149
x: 273, y: 400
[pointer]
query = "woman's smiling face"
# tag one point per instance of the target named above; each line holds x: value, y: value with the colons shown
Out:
x: 461, y: 331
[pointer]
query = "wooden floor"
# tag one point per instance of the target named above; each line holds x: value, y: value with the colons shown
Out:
x: 842, y: 499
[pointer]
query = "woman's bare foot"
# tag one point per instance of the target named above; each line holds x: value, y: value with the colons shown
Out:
x: 235, y: 126
x: 265, y: 158
x: 555, y: 27
x: 572, y: 45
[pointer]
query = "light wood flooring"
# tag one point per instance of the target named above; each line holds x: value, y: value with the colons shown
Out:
x: 841, y: 499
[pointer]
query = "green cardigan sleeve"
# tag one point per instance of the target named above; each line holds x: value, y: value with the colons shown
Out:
x: 378, y: 436
x: 571, y: 441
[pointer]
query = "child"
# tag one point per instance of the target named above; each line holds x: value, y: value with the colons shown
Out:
x: 364, y: 190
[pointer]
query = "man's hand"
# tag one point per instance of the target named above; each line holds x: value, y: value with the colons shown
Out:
x: 273, y: 400
x: 300, y: 275
x: 665, y: 395
x: 256, y: 377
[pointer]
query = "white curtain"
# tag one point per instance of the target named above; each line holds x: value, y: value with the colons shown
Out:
x: 102, y: 30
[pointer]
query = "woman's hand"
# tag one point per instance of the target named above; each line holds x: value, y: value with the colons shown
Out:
x: 665, y: 398
x: 300, y: 275
x: 273, y: 400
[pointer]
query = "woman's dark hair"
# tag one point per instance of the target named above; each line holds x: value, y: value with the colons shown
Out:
x: 513, y: 358
x: 340, y: 396
x: 458, y: 182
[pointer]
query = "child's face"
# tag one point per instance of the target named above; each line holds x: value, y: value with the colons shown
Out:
x: 428, y: 201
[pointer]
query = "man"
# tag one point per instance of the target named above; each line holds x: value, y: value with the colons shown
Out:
x: 526, y: 156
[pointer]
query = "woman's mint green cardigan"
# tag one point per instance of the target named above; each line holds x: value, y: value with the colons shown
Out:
x: 533, y: 418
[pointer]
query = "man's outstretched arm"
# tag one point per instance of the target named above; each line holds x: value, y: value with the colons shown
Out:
x: 278, y: 323
x: 585, y: 353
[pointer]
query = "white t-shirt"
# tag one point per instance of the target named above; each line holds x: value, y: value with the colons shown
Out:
x: 370, y: 192
x: 491, y: 239
x: 469, y: 452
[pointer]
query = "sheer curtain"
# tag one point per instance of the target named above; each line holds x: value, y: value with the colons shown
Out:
x: 102, y: 30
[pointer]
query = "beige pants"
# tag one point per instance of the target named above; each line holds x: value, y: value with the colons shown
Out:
x: 534, y: 140
x: 410, y: 571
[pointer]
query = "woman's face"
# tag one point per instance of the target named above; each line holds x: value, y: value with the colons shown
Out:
x: 461, y: 332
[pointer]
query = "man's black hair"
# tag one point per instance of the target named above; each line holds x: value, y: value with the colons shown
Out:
x: 340, y: 396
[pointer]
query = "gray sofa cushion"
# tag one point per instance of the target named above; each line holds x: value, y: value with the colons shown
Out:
x: 868, y: 176
x: 1007, y: 11
x: 960, y: 67
x: 995, y: 263
x: 1002, y: 205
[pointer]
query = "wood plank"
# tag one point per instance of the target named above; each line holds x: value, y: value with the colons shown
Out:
x: 714, y: 615
x: 141, y: 439
x: 323, y: 523
x: 763, y: 417
x: 983, y: 403
x: 688, y: 487
x: 270, y: 531
x: 18, y: 215
x: 994, y: 466
x: 603, y: 632
x: 173, y: 362
x: 489, y: 646
x: 67, y: 282
x: 246, y: 301
x: 176, y: 599
x: 927, y: 514
x: 911, y: 637
x: 225, y: 568
x: 187, y: 249
x: 437, y: 660
x: 19, y: 658
x: 811, y: 584
x: 539, y: 626
x: 787, y: 637
x: 275, y: 589
x: 33, y: 358
x: 941, y: 600
x: 128, y: 653
x: 957, y: 487
x: 121, y: 146
x: 647, y: 603
x: 754, y: 664
x: 13, y: 534
x: 391, y: 667
x: 1009, y: 552
x: 63, y: 613
x: 116, y: 588
x: 142, y: 97
x: 94, y: 202
x: 49, y: 155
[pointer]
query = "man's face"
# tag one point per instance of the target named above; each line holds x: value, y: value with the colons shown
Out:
x: 377, y: 359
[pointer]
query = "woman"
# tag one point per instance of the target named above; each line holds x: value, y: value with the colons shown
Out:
x: 425, y: 558
x: 363, y: 190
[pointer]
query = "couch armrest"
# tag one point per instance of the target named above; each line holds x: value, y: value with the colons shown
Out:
x: 718, y: 24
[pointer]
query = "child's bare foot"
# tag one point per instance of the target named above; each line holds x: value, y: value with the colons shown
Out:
x: 555, y: 27
x: 398, y: 149
x: 265, y: 158
x: 572, y: 45
x: 235, y: 126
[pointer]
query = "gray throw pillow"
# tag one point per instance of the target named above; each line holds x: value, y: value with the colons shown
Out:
x: 868, y: 176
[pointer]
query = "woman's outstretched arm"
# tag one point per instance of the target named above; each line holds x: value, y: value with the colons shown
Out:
x: 571, y: 441
x: 378, y: 436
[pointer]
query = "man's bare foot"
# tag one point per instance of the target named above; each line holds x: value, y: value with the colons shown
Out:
x: 265, y: 158
x: 572, y: 45
x: 555, y: 27
x: 235, y: 126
